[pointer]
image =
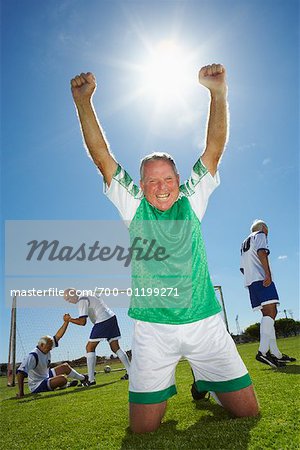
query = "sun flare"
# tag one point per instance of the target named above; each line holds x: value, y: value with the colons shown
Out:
x: 166, y: 75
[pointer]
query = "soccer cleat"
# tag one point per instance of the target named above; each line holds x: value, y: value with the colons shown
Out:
x: 198, y: 395
x: 269, y: 359
x: 125, y: 377
x: 284, y: 358
x: 85, y: 381
x: 72, y: 383
x: 90, y: 383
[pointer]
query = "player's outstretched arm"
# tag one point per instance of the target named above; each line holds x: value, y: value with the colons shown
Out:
x: 213, y: 77
x: 83, y: 87
x: 78, y: 321
x: 59, y: 334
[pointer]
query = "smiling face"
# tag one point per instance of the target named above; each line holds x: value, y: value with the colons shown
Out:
x: 160, y: 183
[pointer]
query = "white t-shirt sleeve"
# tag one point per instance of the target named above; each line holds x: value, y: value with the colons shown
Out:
x: 199, y: 187
x: 28, y: 363
x: 83, y: 307
x: 124, y: 194
x: 260, y: 242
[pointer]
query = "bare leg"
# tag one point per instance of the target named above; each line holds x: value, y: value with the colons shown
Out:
x: 58, y: 381
x: 270, y: 310
x: 146, y: 418
x: 91, y: 346
x: 62, y: 369
x: 242, y: 403
x: 114, y: 345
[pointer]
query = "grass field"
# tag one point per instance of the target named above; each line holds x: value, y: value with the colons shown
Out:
x: 97, y: 417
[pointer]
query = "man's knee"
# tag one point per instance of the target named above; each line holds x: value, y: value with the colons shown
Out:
x: 146, y: 418
x: 66, y: 369
x: 62, y: 369
x: 248, y: 411
x: 242, y: 403
x: 114, y: 345
x: 270, y: 310
x: 58, y: 381
x: 91, y: 346
x: 140, y: 428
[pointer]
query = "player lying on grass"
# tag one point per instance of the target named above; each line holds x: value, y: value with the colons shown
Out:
x: 36, y: 367
x: 164, y: 333
x: 105, y: 327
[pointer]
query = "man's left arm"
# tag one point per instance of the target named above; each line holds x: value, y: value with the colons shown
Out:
x: 213, y: 77
x: 59, y: 334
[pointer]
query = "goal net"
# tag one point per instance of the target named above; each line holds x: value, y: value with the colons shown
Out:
x: 28, y: 324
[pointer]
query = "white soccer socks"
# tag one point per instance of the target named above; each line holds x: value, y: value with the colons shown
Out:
x: 273, y: 344
x: 91, y: 365
x: 76, y: 375
x: 123, y: 358
x: 267, y: 336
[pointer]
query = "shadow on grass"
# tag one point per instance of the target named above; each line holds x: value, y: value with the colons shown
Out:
x: 215, y: 430
x: 60, y: 392
x: 293, y: 370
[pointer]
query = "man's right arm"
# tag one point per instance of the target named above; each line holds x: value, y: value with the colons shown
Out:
x: 83, y: 87
x: 263, y: 258
x: 20, y: 377
x: 77, y: 321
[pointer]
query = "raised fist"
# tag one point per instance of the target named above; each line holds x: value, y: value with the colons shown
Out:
x: 213, y: 77
x: 83, y: 86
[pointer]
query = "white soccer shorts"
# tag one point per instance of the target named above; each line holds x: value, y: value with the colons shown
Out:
x: 206, y: 344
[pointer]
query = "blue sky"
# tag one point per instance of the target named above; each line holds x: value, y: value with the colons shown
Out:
x: 46, y: 174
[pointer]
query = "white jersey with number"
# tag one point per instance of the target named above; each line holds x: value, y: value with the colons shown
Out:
x: 94, y: 308
x: 250, y: 263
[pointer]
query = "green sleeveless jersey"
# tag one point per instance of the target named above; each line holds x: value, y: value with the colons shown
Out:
x: 171, y: 284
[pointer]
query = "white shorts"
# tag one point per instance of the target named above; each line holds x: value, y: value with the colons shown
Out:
x: 206, y: 344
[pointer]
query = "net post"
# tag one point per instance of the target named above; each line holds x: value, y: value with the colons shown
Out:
x: 11, y: 365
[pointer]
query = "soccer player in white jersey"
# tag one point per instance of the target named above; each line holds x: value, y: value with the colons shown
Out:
x: 162, y: 335
x: 263, y: 294
x: 36, y: 366
x: 105, y: 327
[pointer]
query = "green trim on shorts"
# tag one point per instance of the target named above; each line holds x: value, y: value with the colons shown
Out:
x: 152, y: 397
x: 225, y: 386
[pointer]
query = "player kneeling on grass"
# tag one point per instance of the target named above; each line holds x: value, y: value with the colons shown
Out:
x: 170, y: 330
x: 36, y: 367
x: 105, y: 327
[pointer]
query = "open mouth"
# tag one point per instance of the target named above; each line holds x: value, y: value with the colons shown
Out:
x: 163, y: 196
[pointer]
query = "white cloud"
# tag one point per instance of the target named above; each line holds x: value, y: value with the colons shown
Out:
x: 266, y: 161
x: 282, y: 257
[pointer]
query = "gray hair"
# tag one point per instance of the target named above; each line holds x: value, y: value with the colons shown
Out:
x: 156, y: 156
x: 258, y: 225
x: 45, y: 340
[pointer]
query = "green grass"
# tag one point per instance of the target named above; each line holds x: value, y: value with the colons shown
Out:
x: 97, y: 417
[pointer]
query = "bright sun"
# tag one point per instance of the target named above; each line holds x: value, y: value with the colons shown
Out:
x: 166, y: 75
